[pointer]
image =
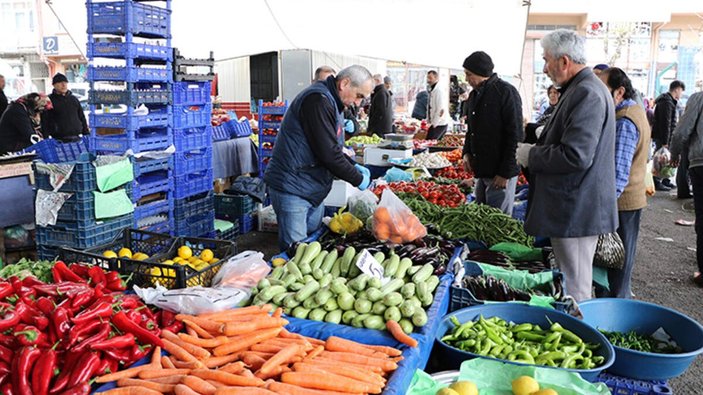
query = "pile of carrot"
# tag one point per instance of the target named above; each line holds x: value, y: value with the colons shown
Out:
x: 248, y: 351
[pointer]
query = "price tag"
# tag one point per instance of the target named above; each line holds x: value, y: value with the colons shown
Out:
x: 369, y: 265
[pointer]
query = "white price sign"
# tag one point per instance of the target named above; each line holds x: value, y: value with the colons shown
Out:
x: 369, y: 265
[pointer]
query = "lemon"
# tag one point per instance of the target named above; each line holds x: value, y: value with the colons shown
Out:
x: 200, y: 262
x: 177, y: 259
x: 125, y: 253
x: 207, y: 255
x: 168, y: 262
x: 192, y: 259
x: 185, y: 252
x: 213, y: 260
x: 109, y: 254
x: 140, y: 256
x: 525, y: 385
x: 278, y: 262
x: 447, y: 391
x: 546, y: 391
x: 465, y: 388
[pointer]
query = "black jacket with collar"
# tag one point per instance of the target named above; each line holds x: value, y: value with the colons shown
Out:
x: 3, y: 102
x: 381, y: 111
x: 664, y: 118
x: 66, y: 120
x: 494, y: 121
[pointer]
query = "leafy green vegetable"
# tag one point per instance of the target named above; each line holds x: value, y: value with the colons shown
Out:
x: 40, y: 269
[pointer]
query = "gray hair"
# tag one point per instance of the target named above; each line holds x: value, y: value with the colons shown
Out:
x: 357, y: 74
x: 564, y: 42
x: 377, y: 79
x: 323, y: 69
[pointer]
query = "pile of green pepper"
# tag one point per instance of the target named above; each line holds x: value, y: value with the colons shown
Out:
x: 525, y: 343
x: 634, y: 341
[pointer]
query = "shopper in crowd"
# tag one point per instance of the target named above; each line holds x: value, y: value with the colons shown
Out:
x: 455, y: 92
x: 494, y: 129
x: 420, y: 108
x: 599, y: 68
x: 664, y: 125
x: 689, y: 133
x: 632, y: 144
x: 381, y: 110
x: 66, y: 120
x: 3, y: 98
x: 322, y: 72
x: 388, y: 83
x: 572, y: 188
x: 20, y: 122
x: 308, y: 154
x: 436, y: 108
x: 553, y: 98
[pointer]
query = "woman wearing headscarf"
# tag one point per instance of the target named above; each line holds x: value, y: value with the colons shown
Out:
x: 21, y: 121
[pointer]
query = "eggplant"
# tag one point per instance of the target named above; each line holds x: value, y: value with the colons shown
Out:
x: 440, y: 269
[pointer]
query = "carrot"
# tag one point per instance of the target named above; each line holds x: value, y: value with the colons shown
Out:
x: 156, y: 358
x: 335, y: 343
x: 207, y: 343
x: 241, y: 328
x: 146, y: 384
x: 285, y: 342
x: 328, y: 361
x: 277, y: 313
x: 129, y: 373
x: 243, y: 391
x: 265, y: 347
x: 288, y: 389
x: 246, y: 373
x: 392, y: 352
x: 198, y: 331
x: 328, y: 381
x: 197, y: 352
x: 246, y: 341
x: 282, y: 357
x: 199, y: 385
x: 241, y: 318
x: 214, y: 362
x: 239, y: 311
x: 274, y: 372
x: 208, y: 325
x: 182, y: 389
x: 166, y: 363
x: 227, y: 378
x: 264, y: 355
x: 253, y: 361
x: 342, y: 371
x: 153, y: 374
x: 216, y: 384
x: 178, y: 351
x: 384, y: 364
x: 188, y: 365
x: 397, y: 332
x: 315, y: 352
x: 175, y: 379
x: 234, y: 367
x: 131, y: 390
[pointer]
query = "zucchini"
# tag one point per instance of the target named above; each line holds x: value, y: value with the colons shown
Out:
x: 424, y: 294
x: 275, y: 282
x: 406, y: 325
x: 393, y: 299
x: 310, y: 288
x: 408, y: 290
x: 347, y: 259
x: 317, y: 314
x: 407, y: 309
x: 353, y: 268
x: 301, y: 312
x: 278, y: 299
x: 336, y: 268
x: 379, y: 257
x: 374, y: 322
x: 392, y: 266
x: 323, y: 295
x: 338, y: 286
x: 362, y: 306
x: 268, y: 293
x: 392, y: 314
x: 345, y: 301
x: 277, y: 273
x: 317, y: 274
x: 294, y: 270
x: 326, y: 280
x: 358, y: 321
x: 348, y: 316
x: 307, y: 278
x: 432, y: 283
x: 374, y: 294
x: 311, y: 252
x: 296, y: 286
x: 317, y: 262
x: 305, y: 268
x: 419, y: 318
x: 311, y: 303
x: 299, y: 252
x: 359, y: 282
x: 264, y: 283
x: 413, y: 269
x: 423, y: 274
x: 290, y: 301
x: 331, y: 305
x: 403, y: 267
x: 374, y: 283
x: 378, y: 308
x: 329, y: 261
x: 334, y: 317
x: 392, y: 286
x: 289, y: 279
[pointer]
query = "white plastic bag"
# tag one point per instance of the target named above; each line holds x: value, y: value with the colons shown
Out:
x: 661, y: 161
x: 243, y: 271
x: 362, y: 205
x: 393, y: 221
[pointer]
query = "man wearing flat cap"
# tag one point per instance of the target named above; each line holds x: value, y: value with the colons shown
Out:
x: 66, y: 121
x: 494, y: 129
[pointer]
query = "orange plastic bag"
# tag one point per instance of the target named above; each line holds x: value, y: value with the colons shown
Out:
x: 394, y: 222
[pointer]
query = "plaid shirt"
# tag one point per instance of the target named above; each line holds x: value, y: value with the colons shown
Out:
x: 626, y: 138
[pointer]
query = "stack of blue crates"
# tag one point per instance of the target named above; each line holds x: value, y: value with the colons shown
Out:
x: 76, y: 225
x: 194, y: 209
x: 270, y: 117
x: 130, y: 107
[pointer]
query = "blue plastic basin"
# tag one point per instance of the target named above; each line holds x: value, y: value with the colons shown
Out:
x: 624, y: 315
x: 520, y: 314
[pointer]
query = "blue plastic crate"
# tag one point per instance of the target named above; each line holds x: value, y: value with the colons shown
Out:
x: 81, y: 206
x: 53, y: 151
x: 82, y: 177
x: 125, y: 17
x: 193, y: 184
x: 163, y: 206
x: 246, y: 224
x: 147, y: 165
x: 196, y: 226
x: 210, y: 235
x: 185, y: 116
x: 142, y: 141
x: 158, y: 94
x: 269, y: 125
x: 129, y: 50
x: 272, y: 110
x: 129, y: 73
x: 192, y: 138
x: 221, y: 132
x: 241, y: 129
x: 157, y: 118
x: 47, y: 253
x: 151, y: 183
x: 79, y: 235
x: 194, y: 206
x: 192, y: 161
x: 166, y: 227
x: 625, y: 386
x: 191, y: 93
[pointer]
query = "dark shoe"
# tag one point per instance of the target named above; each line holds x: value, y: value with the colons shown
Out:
x: 662, y: 187
x: 667, y: 183
x: 688, y: 196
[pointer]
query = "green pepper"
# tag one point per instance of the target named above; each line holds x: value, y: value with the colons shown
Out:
x: 495, y: 351
x: 522, y: 328
x: 529, y: 336
x: 522, y: 356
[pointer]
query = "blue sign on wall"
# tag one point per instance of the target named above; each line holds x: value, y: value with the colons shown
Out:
x: 50, y: 44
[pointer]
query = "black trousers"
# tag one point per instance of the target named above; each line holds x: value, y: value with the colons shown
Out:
x: 696, y: 174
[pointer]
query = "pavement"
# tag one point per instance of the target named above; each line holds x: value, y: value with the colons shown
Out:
x: 666, y: 260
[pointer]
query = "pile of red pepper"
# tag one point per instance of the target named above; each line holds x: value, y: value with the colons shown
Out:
x: 442, y: 195
x: 55, y: 337
x: 455, y: 173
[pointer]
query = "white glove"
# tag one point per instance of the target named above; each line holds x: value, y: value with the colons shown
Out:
x: 522, y: 154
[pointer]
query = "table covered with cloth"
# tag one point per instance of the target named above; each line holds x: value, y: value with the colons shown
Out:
x: 231, y: 158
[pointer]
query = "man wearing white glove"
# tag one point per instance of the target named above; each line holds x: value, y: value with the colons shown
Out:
x: 572, y: 190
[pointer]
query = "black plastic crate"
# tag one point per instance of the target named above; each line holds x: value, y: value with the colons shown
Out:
x: 193, y: 206
x: 229, y: 234
x: 231, y: 207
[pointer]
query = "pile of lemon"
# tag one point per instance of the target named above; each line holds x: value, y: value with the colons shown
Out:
x: 125, y: 253
x: 187, y: 258
x: 523, y: 385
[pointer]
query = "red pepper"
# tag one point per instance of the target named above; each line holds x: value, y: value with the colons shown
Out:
x: 69, y: 361
x: 102, y: 309
x: 78, y: 333
x: 5, y: 367
x: 138, y: 352
x: 79, y: 389
x: 80, y: 270
x: 126, y: 326
x: 112, y: 276
x: 6, y: 289
x: 60, y: 321
x: 112, y: 365
x: 120, y: 355
x: 97, y: 275
x: 31, y: 281
x: 101, y: 335
x: 30, y: 315
x: 99, y: 290
x: 45, y: 305
x: 116, y: 285
x: 7, y: 389
x: 43, y: 373
x: 8, y: 341
x: 174, y: 328
x: 9, y: 321
x: 82, y: 299
x: 40, y: 322
x: 6, y: 354
x: 28, y: 357
x: 61, y: 288
x: 84, y: 369
x: 129, y: 303
x: 28, y: 336
x: 116, y: 342
x: 167, y: 318
x: 65, y: 274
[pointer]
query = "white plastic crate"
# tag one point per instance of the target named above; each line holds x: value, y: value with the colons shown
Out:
x: 267, y: 220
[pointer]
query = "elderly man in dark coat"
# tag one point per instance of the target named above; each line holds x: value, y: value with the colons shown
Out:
x: 573, y: 198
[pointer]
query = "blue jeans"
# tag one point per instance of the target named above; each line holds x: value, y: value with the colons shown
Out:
x: 628, y: 230
x: 297, y: 218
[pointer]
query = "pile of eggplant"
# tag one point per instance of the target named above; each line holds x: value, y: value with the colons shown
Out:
x: 499, y: 259
x: 494, y: 289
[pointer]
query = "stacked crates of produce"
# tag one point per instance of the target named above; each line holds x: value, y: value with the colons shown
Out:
x: 237, y: 209
x: 77, y: 224
x: 130, y: 74
x: 270, y: 117
x: 192, y: 107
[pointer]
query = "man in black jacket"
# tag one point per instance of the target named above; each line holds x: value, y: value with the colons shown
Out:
x: 381, y: 111
x: 66, y: 121
x: 3, y: 98
x: 665, y: 123
x: 494, y: 129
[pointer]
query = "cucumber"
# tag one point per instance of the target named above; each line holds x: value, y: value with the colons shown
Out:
x: 378, y: 308
x: 432, y: 283
x: 304, y: 268
x: 290, y: 301
x: 345, y: 301
x: 379, y: 257
x: 362, y: 306
x: 278, y: 299
x: 301, y: 312
x: 317, y: 314
x: 289, y: 279
x: 296, y: 286
x: 359, y: 282
x: 310, y: 288
x: 424, y: 295
x: 329, y: 261
x: 358, y: 321
x: 307, y: 278
x: 374, y: 283
x: 311, y: 303
x: 419, y: 318
x: 361, y: 295
x: 392, y: 314
x: 423, y: 274
x: 311, y: 252
x: 299, y: 252
x: 323, y: 296
x: 331, y: 305
x: 294, y: 270
x: 317, y: 262
x: 374, y: 294
x: 326, y: 280
x: 268, y: 293
x: 317, y: 274
x: 353, y: 268
x: 392, y: 265
x: 347, y: 259
x: 277, y: 273
x: 348, y: 316
x: 334, y: 317
x: 264, y: 283
x: 408, y: 290
x: 406, y: 325
x: 275, y: 282
x: 413, y: 269
x: 374, y: 322
x: 392, y: 286
x: 403, y: 267
x: 393, y: 299
x: 336, y: 268
x: 407, y: 309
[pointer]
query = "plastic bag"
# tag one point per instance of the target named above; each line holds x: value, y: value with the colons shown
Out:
x: 396, y: 174
x: 47, y: 206
x: 243, y: 271
x: 661, y: 160
x: 610, y: 253
x: 194, y: 300
x: 393, y: 221
x: 363, y: 204
x: 649, y: 179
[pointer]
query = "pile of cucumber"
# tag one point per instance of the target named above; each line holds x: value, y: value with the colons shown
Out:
x: 325, y: 286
